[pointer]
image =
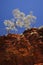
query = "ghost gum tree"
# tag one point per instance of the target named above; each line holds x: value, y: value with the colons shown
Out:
x: 20, y: 20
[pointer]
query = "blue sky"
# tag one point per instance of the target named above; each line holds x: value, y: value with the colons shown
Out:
x: 6, y: 7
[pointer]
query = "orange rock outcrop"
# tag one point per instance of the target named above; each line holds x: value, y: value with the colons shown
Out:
x: 25, y: 49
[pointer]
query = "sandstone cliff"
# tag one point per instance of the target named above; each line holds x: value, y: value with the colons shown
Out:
x: 25, y: 49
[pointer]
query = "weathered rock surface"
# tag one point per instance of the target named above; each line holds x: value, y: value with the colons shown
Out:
x: 25, y: 49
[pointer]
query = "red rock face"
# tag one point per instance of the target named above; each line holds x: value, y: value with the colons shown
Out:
x: 25, y: 49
